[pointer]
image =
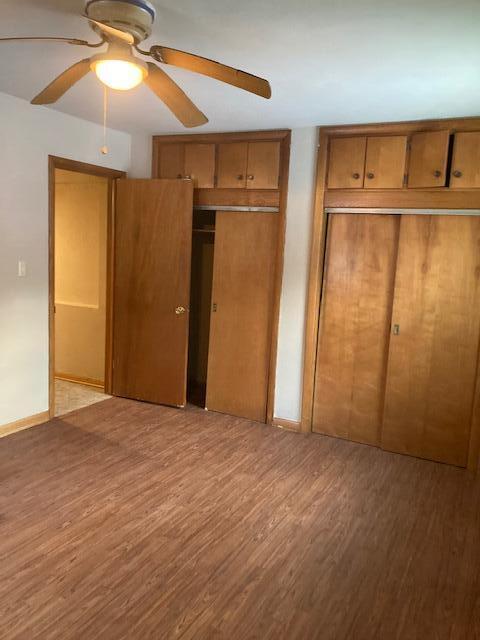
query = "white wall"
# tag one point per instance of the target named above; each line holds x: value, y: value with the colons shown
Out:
x: 301, y: 191
x: 27, y: 136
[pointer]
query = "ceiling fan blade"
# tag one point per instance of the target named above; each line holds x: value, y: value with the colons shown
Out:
x: 63, y: 83
x: 111, y: 31
x: 213, y: 69
x: 175, y: 99
x: 83, y: 43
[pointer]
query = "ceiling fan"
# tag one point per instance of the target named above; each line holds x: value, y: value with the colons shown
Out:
x: 122, y: 25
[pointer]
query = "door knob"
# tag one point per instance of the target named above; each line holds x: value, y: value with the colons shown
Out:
x: 180, y: 311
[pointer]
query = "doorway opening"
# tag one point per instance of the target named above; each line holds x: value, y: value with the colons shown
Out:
x: 81, y: 271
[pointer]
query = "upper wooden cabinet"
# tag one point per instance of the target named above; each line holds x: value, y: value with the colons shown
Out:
x: 188, y: 160
x: 385, y: 162
x: 232, y: 165
x: 347, y: 163
x: 428, y: 159
x: 361, y: 162
x: 200, y: 165
x: 466, y: 161
x: 263, y: 166
x: 171, y: 160
x: 248, y: 165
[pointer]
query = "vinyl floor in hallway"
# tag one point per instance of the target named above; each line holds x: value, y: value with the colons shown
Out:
x: 125, y: 520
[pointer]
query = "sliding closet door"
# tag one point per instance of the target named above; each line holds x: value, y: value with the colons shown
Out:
x: 240, y: 326
x: 354, y: 326
x: 153, y: 239
x: 435, y: 338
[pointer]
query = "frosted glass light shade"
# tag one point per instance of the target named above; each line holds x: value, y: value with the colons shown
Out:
x: 119, y: 74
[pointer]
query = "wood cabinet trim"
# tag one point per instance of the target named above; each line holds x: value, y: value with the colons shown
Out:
x: 436, y: 198
x: 248, y: 197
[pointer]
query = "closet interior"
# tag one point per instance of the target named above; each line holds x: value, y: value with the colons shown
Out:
x: 203, y: 247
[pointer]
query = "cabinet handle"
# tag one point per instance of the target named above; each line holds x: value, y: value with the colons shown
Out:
x: 214, y: 307
x: 188, y: 177
x: 437, y: 173
x: 457, y: 174
x: 370, y: 176
x: 240, y: 177
x: 250, y: 177
x: 355, y: 176
x: 396, y: 329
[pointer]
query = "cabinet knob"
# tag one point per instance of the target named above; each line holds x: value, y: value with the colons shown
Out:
x: 250, y: 177
x: 240, y: 177
x: 179, y: 176
x: 457, y: 174
x: 370, y: 176
x: 180, y: 311
x: 188, y: 177
x: 437, y: 173
x: 355, y: 176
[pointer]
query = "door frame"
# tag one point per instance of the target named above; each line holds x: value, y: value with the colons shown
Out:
x: 55, y: 162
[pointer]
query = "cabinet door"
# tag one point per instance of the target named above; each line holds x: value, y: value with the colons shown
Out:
x: 240, y: 326
x: 200, y: 165
x: 263, y: 165
x: 171, y: 160
x: 434, y: 343
x: 466, y: 161
x: 232, y: 165
x: 346, y: 163
x: 355, y: 326
x: 428, y: 159
x: 153, y: 241
x: 385, y: 162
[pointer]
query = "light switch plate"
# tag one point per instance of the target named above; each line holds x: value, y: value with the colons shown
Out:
x: 22, y: 268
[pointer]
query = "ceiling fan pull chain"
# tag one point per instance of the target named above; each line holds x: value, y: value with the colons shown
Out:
x: 104, y: 149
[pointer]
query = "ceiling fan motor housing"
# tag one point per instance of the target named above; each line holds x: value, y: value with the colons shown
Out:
x: 133, y: 16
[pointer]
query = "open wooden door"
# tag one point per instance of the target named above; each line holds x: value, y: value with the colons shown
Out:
x: 153, y: 239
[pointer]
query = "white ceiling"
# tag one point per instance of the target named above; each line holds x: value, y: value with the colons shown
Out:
x: 328, y: 61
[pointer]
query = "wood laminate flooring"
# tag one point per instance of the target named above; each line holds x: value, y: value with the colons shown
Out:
x: 127, y: 520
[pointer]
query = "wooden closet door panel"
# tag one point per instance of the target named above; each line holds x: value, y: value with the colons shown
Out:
x: 171, y: 160
x: 354, y: 326
x: 263, y: 169
x: 346, y: 164
x: 232, y: 165
x: 433, y: 359
x: 200, y: 165
x: 240, y: 327
x: 428, y: 159
x: 153, y: 239
x: 466, y: 161
x: 385, y: 162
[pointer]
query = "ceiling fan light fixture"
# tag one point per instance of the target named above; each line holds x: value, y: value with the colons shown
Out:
x: 121, y: 73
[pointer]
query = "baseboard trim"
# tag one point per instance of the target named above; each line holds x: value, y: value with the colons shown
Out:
x: 24, y: 423
x: 91, y: 382
x: 283, y: 423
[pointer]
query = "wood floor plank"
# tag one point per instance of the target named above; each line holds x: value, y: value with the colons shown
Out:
x: 129, y: 520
